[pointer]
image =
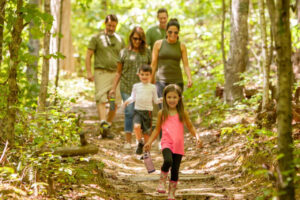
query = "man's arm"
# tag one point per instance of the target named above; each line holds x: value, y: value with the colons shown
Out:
x: 88, y: 64
x: 148, y: 39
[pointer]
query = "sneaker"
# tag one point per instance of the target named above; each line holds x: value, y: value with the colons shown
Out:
x: 105, y: 130
x: 139, y: 149
x: 127, y: 146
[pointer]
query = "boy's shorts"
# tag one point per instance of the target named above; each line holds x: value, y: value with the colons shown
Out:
x: 144, y: 118
x: 104, y: 81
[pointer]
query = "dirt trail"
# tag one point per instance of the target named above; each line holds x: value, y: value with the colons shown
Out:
x: 213, y: 172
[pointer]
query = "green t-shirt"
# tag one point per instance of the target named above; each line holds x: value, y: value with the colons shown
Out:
x: 106, y: 50
x: 131, y: 62
x: 153, y: 34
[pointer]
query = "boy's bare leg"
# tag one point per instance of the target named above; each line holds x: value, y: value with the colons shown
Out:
x: 138, y: 132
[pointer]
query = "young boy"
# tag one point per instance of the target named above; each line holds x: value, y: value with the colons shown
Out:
x: 143, y: 94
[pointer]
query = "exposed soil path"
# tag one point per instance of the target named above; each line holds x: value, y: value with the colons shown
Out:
x: 213, y: 172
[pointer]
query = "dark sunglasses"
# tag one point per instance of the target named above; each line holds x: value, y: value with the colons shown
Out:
x: 137, y: 39
x: 175, y: 32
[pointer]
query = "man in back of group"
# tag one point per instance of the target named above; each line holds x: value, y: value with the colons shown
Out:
x: 158, y: 32
x: 105, y: 46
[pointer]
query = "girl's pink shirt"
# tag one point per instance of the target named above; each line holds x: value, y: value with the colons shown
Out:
x: 173, y: 135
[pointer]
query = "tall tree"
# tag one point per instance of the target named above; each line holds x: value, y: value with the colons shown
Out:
x: 59, y: 42
x: 45, y: 67
x: 222, y: 33
x: 284, y: 107
x: 238, y: 53
x: 266, y: 56
x: 2, y: 17
x: 14, y: 47
x: 34, y: 47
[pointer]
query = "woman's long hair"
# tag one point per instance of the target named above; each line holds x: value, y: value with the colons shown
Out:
x: 179, y: 107
x: 139, y: 30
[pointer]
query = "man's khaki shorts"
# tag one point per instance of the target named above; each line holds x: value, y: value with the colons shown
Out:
x: 103, y: 83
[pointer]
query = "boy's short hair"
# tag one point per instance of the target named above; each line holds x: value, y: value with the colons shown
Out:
x: 145, y: 68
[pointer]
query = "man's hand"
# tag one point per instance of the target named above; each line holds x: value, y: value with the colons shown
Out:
x: 112, y: 93
x: 90, y: 77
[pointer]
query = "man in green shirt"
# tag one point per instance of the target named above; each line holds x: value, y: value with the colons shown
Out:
x: 105, y: 46
x: 158, y: 32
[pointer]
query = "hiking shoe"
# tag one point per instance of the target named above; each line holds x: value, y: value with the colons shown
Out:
x: 127, y: 146
x: 139, y: 149
x: 105, y: 130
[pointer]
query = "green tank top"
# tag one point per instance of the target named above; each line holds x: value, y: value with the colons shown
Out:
x: 169, y: 57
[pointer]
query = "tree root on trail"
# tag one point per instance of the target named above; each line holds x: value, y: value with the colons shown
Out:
x: 74, y: 151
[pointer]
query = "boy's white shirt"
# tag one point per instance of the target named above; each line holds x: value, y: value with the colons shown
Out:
x: 143, y: 94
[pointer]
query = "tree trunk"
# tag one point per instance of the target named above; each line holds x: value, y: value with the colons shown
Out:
x: 238, y: 53
x: 59, y: 38
x: 34, y: 47
x: 2, y: 16
x: 284, y: 107
x: 66, y: 45
x: 271, y: 8
x: 12, y: 98
x: 222, y: 33
x: 45, y: 69
x: 74, y: 151
x: 266, y: 67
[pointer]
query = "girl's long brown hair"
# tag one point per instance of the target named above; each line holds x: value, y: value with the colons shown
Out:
x: 179, y: 107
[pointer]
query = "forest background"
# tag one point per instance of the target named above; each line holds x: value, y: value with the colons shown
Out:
x: 43, y: 46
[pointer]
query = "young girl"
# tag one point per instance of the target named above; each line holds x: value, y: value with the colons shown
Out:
x: 171, y: 120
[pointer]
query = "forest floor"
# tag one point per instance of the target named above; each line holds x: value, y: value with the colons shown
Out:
x: 212, y: 172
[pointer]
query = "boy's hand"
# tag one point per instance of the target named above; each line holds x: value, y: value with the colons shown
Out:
x: 125, y: 104
x: 199, y: 143
x: 160, y: 100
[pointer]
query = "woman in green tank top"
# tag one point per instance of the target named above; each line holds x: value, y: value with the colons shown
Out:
x: 166, y: 57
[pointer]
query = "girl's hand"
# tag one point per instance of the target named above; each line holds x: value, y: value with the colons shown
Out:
x: 199, y: 143
x: 147, y: 147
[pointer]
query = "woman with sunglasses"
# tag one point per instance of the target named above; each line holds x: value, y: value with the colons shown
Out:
x: 166, y: 57
x: 131, y: 59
